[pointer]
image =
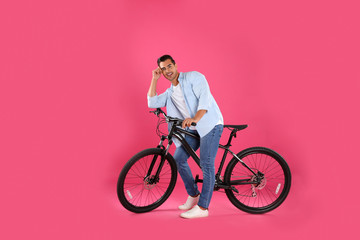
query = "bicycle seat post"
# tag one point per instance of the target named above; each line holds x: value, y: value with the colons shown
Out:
x: 232, y: 134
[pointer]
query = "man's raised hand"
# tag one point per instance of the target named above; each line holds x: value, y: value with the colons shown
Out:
x: 156, y: 74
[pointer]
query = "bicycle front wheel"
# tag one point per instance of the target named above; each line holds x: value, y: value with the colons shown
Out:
x: 270, y: 192
x: 141, y: 190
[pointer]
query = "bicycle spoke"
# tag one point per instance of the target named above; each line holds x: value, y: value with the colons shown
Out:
x: 141, y: 190
x: 261, y: 196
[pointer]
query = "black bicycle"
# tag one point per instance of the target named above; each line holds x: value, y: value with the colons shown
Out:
x: 256, y: 180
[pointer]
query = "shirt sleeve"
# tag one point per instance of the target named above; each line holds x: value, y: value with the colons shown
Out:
x: 202, y: 91
x: 157, y: 101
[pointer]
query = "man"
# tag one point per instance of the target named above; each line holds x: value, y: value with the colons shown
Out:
x: 189, y: 98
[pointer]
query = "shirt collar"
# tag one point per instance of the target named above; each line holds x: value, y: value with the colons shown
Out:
x: 181, y: 77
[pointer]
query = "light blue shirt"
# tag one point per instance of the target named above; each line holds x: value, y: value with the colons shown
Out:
x: 197, y: 97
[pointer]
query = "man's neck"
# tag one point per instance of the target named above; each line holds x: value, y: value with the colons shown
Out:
x: 175, y: 82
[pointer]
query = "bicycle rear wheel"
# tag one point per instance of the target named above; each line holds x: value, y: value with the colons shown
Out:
x: 140, y: 191
x: 270, y: 192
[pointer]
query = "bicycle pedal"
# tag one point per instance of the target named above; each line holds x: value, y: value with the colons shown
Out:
x: 197, y: 179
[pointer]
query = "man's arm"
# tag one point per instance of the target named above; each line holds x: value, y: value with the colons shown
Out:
x: 156, y: 101
x: 202, y: 92
x: 156, y: 75
x: 187, y: 122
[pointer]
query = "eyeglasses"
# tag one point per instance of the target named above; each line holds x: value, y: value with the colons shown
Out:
x: 170, y: 66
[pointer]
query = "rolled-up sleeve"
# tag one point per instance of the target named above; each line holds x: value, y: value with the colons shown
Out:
x: 202, y: 91
x: 157, y: 101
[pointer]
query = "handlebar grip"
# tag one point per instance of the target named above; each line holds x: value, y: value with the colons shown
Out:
x: 179, y: 123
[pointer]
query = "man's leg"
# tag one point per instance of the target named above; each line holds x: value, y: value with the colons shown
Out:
x: 208, y: 148
x: 181, y: 156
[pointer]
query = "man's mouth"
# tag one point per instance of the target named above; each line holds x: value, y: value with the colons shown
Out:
x: 169, y: 74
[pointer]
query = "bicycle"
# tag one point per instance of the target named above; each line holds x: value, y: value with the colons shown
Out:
x: 256, y: 180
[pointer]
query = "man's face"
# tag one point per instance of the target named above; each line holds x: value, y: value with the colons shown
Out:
x: 168, y: 69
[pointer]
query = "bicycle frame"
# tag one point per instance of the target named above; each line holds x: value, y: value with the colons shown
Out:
x: 177, y: 133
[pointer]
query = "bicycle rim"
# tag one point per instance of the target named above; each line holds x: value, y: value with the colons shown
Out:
x: 270, y: 192
x: 141, y: 193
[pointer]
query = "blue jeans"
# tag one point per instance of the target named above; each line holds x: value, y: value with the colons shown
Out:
x: 208, y: 148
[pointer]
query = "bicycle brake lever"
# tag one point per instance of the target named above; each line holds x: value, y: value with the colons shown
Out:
x: 156, y: 112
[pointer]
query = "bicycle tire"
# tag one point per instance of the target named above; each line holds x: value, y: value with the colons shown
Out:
x: 271, y: 192
x: 133, y: 189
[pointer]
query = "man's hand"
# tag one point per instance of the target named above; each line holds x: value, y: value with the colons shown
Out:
x: 187, y: 122
x: 156, y: 74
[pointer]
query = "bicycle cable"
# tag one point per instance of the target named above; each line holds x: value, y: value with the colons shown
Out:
x: 161, y: 120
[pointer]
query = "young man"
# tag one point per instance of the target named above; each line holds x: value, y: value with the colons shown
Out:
x: 189, y: 98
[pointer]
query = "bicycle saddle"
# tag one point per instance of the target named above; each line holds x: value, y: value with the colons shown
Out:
x: 237, y: 127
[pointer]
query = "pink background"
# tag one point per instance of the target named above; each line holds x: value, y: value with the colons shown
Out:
x: 74, y: 77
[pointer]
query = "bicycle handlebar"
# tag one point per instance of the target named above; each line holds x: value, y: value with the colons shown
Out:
x: 177, y: 121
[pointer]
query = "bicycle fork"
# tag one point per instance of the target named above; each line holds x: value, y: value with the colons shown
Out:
x: 155, y: 178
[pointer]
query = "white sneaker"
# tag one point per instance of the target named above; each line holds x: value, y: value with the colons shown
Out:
x: 195, y: 212
x: 190, y: 202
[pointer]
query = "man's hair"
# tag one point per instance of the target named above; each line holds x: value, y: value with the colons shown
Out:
x: 164, y: 58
